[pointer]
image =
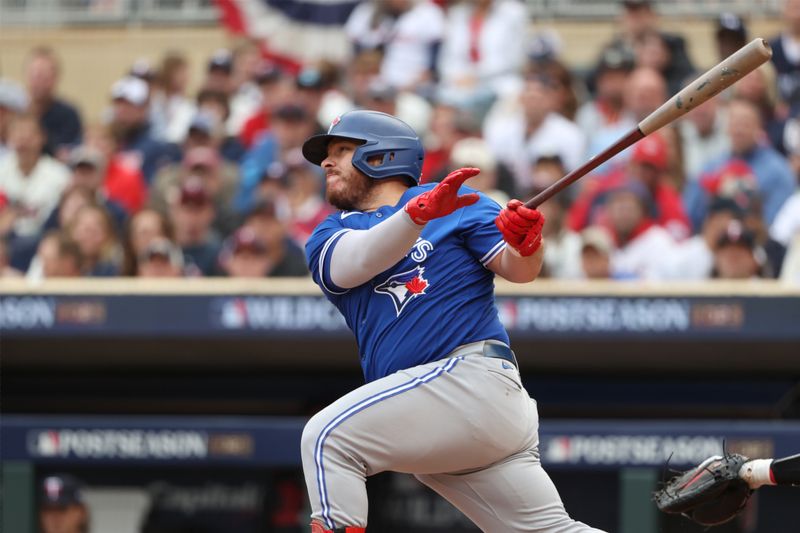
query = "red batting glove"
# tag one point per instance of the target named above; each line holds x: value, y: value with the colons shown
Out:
x: 442, y: 199
x: 521, y: 227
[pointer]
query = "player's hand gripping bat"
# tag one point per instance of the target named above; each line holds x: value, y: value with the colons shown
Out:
x: 714, y: 81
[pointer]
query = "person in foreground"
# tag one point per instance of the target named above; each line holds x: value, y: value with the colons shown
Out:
x: 411, y: 268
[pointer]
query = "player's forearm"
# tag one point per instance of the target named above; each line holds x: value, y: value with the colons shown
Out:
x: 360, y: 255
x: 516, y: 268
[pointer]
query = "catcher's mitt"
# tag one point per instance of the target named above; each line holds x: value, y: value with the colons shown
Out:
x: 709, y: 494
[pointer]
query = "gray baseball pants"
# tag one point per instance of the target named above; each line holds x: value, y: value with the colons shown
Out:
x: 464, y: 426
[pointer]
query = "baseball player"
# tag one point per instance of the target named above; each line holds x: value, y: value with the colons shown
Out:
x: 411, y: 268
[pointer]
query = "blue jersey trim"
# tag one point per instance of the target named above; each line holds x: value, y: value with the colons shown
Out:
x: 360, y: 406
x: 325, y: 262
x: 491, y: 254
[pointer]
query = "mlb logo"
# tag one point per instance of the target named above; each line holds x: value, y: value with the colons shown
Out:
x: 47, y: 444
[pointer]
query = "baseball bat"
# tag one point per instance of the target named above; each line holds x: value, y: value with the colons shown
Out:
x: 715, y: 80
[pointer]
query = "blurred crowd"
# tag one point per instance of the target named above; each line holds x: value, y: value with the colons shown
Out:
x: 176, y: 183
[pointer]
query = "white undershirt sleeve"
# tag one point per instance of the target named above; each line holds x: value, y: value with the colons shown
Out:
x: 360, y: 255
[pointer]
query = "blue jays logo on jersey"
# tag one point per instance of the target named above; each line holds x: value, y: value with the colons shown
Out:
x: 404, y: 287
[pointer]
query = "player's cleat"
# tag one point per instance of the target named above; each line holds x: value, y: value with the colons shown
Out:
x: 319, y: 528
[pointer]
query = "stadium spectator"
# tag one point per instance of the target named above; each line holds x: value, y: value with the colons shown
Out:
x: 737, y: 254
x: 704, y: 136
x: 13, y: 101
x: 566, y: 87
x: 218, y: 73
x: 60, y: 121
x: 62, y: 507
x: 758, y: 87
x: 244, y: 255
x: 645, y: 91
x: 170, y: 109
x: 474, y: 152
x: 648, y: 165
x: 275, y: 90
x: 407, y: 32
x: 481, y: 57
x: 773, y: 176
x: 220, y: 180
x: 132, y: 131
x: 161, y: 258
x: 730, y: 34
x: 30, y: 180
x: 596, y: 249
x: 93, y: 230
x: 786, y: 57
x: 285, y: 257
x: 214, y: 109
x: 448, y: 125
x: 57, y: 256
x: 142, y: 229
x: 245, y: 96
x: 641, y: 243
x: 291, y: 126
x: 518, y: 134
x: 610, y: 76
x: 310, y: 88
x: 639, y: 20
x: 693, y: 259
x: 192, y: 214
x: 304, y: 183
x: 120, y: 191
x: 546, y: 170
x: 563, y: 249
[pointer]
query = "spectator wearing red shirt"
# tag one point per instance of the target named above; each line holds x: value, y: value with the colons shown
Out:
x: 648, y: 165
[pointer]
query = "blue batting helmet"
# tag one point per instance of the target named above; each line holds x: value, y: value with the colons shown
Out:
x: 380, y: 135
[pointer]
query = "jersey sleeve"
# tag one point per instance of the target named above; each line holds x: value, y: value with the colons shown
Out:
x: 481, y: 237
x: 319, y: 250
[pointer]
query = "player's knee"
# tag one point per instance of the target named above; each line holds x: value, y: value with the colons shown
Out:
x: 311, y: 433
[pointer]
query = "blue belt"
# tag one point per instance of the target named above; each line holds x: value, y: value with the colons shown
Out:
x: 500, y: 351
x: 494, y: 349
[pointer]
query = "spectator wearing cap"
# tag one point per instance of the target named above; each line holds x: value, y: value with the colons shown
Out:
x: 758, y: 87
x: 218, y: 72
x: 275, y: 89
x: 132, y: 130
x: 641, y: 244
x: 649, y: 165
x: 448, y: 124
x: 693, y: 258
x: 609, y: 79
x: 60, y: 120
x: 170, y: 109
x: 30, y: 180
x: 92, y: 228
x: 220, y: 180
x: 57, y: 256
x: 637, y: 20
x: 13, y: 101
x: 773, y: 175
x: 518, y: 134
x: 208, y: 126
x: 703, y: 136
x: 310, y: 88
x: 596, y: 249
x: 786, y: 57
x: 121, y: 192
x: 409, y: 34
x: 737, y: 255
x: 481, y: 58
x: 62, y: 507
x: 245, y: 97
x: 285, y: 257
x: 191, y: 213
x: 142, y: 229
x: 161, y: 258
x: 291, y: 125
x: 303, y: 191
x: 730, y: 34
x: 407, y: 106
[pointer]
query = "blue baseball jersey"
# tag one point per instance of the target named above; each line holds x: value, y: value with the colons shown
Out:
x: 438, y: 297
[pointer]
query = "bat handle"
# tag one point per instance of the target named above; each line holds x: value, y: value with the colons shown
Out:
x: 628, y: 139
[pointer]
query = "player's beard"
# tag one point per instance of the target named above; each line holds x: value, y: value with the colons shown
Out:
x: 354, y: 195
